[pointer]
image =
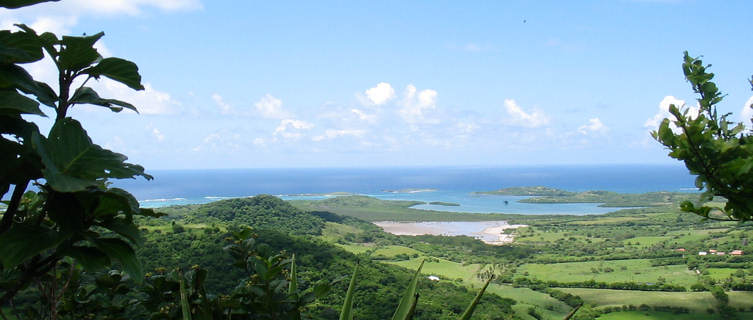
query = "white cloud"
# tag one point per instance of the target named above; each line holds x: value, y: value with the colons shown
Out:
x: 332, y: 133
x: 270, y: 107
x: 380, y: 94
x: 594, y: 125
x: 290, y: 128
x: 224, y: 107
x: 157, y: 134
x: 747, y: 112
x: 521, y: 118
x: 364, y: 116
x: 56, y: 25
x: 653, y: 122
x: 131, y: 7
x: 147, y: 101
x: 416, y: 104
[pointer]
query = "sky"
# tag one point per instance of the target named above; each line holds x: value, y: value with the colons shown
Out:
x: 256, y: 84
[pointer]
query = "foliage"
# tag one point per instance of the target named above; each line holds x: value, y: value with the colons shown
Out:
x: 716, y: 150
x: 74, y: 213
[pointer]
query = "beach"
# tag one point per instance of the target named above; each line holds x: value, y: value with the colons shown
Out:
x: 490, y: 232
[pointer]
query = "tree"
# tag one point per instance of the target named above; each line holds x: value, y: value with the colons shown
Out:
x: 73, y: 215
x: 717, y: 151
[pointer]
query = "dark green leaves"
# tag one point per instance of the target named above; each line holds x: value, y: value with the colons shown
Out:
x: 73, y: 163
x: 11, y: 102
x: 121, y: 70
x: 19, y: 47
x: 13, y: 4
x: 86, y: 95
x: 17, y: 246
x: 78, y: 52
x: 120, y: 250
x: 718, y: 151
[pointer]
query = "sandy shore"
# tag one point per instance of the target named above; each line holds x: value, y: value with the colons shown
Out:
x: 490, y: 232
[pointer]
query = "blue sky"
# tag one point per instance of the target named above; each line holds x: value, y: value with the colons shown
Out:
x: 247, y: 84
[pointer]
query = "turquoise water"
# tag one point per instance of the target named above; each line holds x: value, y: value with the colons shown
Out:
x: 451, y: 184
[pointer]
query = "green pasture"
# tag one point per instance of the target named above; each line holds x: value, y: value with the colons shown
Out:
x: 654, y: 315
x: 333, y: 231
x: 645, y: 241
x: 633, y: 270
x: 695, y: 301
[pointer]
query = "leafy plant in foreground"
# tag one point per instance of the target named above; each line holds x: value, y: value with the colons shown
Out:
x: 716, y: 150
x: 74, y: 213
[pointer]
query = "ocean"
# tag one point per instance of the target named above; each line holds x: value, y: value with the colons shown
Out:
x: 448, y: 184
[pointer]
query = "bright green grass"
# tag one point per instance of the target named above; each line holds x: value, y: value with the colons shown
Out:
x: 690, y: 236
x: 607, y: 220
x: 645, y: 241
x: 696, y: 301
x: 354, y: 248
x: 528, y: 298
x: 540, y: 236
x: 389, y: 252
x: 653, y: 315
x: 444, y: 269
x: 637, y: 270
x: 333, y: 231
x: 720, y: 273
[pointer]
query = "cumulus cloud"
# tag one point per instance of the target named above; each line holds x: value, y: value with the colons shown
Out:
x: 147, y: 101
x: 594, y: 125
x: 291, y: 128
x: 416, y: 104
x: 521, y: 118
x: 270, y: 107
x: 653, y: 122
x: 747, y: 112
x: 224, y: 107
x: 364, y: 116
x: 333, y: 133
x: 157, y: 134
x: 380, y: 94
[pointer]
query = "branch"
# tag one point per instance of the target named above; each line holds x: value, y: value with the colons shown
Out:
x: 12, y: 209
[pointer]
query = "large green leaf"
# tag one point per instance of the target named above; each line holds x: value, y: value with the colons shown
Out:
x: 78, y: 52
x: 73, y: 163
x: 119, y: 250
x: 472, y: 307
x: 86, y: 95
x: 347, y: 311
x: 13, y: 4
x: 22, y: 242
x: 293, y: 285
x: 408, y: 301
x: 91, y: 258
x: 11, y: 102
x: 120, y: 70
x: 124, y: 228
x: 19, y: 47
x: 15, y: 77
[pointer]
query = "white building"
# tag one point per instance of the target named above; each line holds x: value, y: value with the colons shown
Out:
x: 433, y: 278
x: 702, y: 253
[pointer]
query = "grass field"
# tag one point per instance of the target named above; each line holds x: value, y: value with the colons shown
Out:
x: 608, y: 220
x: 653, y: 315
x: 445, y: 269
x: 634, y: 270
x: 720, y: 273
x: 333, y: 231
x: 545, y: 305
x: 645, y: 241
x: 696, y: 301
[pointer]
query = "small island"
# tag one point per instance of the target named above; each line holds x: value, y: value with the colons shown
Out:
x: 538, y: 191
x: 410, y: 190
x: 442, y: 203
x: 541, y: 194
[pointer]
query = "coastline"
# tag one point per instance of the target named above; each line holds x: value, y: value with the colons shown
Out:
x: 490, y: 232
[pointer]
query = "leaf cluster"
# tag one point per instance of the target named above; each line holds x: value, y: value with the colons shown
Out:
x: 719, y: 152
